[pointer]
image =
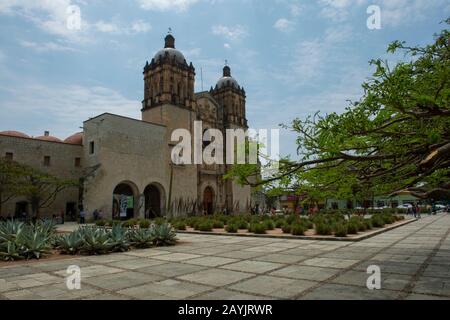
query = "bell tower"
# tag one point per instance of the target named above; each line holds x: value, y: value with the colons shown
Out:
x: 231, y: 97
x: 168, y: 79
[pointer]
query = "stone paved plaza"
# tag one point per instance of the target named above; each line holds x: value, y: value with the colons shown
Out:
x: 414, y: 261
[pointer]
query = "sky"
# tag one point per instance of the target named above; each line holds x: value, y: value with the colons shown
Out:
x: 293, y: 57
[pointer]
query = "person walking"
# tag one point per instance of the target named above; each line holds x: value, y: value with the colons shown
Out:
x: 418, y: 211
x: 414, y: 210
x: 82, y: 216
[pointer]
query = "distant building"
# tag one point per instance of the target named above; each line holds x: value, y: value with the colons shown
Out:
x: 125, y: 163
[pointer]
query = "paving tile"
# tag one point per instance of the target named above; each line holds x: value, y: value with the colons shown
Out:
x: 210, y: 261
x: 171, y: 269
x: 274, y: 286
x: 224, y: 294
x: 305, y: 272
x: 165, y: 290
x: 359, y: 278
x: 133, y: 264
x: 329, y: 262
x: 216, y: 277
x: 253, y: 266
x: 52, y: 292
x: 342, y: 292
x: 118, y: 281
x: 175, y: 257
x: 92, y: 271
x: 280, y: 258
x: 434, y: 286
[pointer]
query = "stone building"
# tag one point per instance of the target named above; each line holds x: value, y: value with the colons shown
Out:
x: 125, y: 164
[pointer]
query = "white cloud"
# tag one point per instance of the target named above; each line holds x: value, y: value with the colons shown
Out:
x: 284, y: 25
x: 295, y: 10
x: 46, y: 46
x: 64, y: 106
x: 393, y: 12
x: 166, y: 5
x: 140, y: 26
x: 226, y: 46
x: 106, y: 27
x: 50, y: 16
x: 236, y: 32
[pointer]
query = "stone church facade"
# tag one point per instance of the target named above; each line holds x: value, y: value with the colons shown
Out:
x: 125, y: 164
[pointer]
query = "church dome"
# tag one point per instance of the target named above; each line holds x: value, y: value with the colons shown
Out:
x: 169, y: 49
x: 76, y: 138
x: 48, y: 137
x: 227, y: 79
x: 12, y: 133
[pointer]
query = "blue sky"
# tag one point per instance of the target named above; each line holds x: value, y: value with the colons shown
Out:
x: 293, y: 57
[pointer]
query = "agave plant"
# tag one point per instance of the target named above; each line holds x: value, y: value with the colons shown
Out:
x: 34, y: 244
x: 119, y: 238
x: 10, y: 229
x: 164, y: 234
x: 70, y: 243
x: 47, y: 227
x: 95, y: 241
x: 9, y: 251
x: 141, y: 238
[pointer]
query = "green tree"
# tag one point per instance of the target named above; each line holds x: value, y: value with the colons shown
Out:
x: 396, y: 138
x: 10, y: 175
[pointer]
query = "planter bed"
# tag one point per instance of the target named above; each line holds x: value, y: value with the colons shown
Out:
x: 309, y: 234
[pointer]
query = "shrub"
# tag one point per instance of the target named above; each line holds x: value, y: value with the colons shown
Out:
x: 242, y: 225
x: 368, y: 224
x: 205, y: 226
x: 258, y: 228
x: 130, y: 223
x: 232, y: 228
x: 377, y: 221
x: 298, y: 229
x: 290, y: 219
x: 217, y: 224
x: 280, y: 222
x: 286, y: 228
x: 100, y: 223
x: 340, y: 230
x: 269, y: 225
x: 159, y: 221
x: 323, y: 228
x: 180, y: 225
x: 144, y: 224
x: 352, y: 227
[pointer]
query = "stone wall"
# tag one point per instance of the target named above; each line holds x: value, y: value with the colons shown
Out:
x: 31, y: 152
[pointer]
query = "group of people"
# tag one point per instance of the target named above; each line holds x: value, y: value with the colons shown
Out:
x: 415, y: 210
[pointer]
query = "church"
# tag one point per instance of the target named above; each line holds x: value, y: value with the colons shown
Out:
x: 124, y: 165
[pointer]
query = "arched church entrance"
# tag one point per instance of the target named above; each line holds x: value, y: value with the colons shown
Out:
x: 125, y: 201
x: 208, y: 200
x: 154, y: 201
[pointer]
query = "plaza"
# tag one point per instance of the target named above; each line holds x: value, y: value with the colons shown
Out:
x: 413, y: 260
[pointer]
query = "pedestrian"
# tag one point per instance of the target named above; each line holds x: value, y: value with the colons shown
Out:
x: 414, y: 210
x: 62, y: 216
x: 82, y: 216
x: 95, y: 214
x: 418, y: 210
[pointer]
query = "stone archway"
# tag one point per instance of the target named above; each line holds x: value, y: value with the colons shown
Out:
x: 154, y: 201
x: 125, y: 201
x: 208, y: 200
